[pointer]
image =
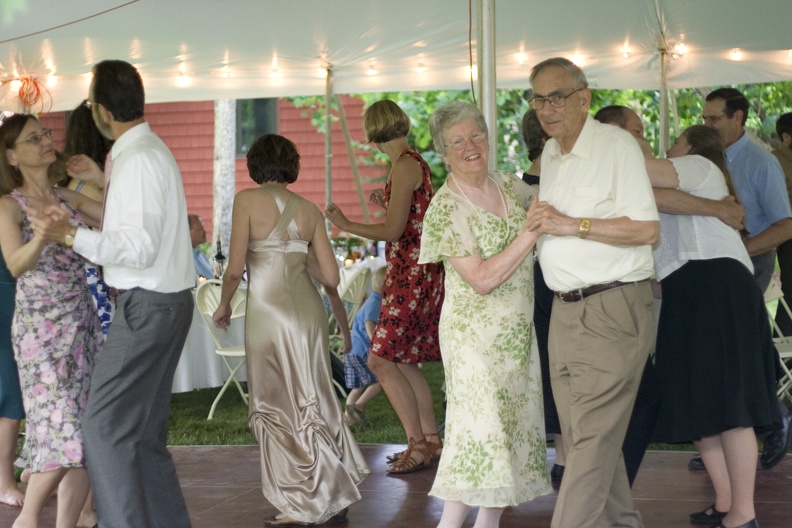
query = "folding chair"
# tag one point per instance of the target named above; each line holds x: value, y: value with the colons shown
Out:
x: 352, y: 289
x: 783, y: 344
x: 207, y: 298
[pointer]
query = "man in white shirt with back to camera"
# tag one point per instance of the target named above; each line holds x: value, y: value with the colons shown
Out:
x: 144, y: 249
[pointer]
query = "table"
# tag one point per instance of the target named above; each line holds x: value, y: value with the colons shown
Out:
x: 199, y: 366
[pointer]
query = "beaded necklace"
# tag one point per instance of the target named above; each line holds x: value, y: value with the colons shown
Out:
x: 476, y: 208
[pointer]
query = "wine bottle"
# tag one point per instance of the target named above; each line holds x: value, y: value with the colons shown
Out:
x: 219, y: 261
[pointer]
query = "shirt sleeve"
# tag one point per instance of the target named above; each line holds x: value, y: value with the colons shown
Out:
x: 446, y: 230
x: 134, y: 215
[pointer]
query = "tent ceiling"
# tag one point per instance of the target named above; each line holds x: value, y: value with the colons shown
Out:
x: 216, y: 49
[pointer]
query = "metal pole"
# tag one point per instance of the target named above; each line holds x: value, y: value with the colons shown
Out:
x: 664, y: 121
x: 485, y: 63
x: 328, y: 142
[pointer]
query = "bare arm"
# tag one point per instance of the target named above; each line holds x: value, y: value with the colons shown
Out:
x: 405, y: 178
x: 670, y: 200
x: 770, y: 238
x: 84, y: 168
x: 90, y: 210
x: 322, y: 263
x: 19, y: 256
x: 622, y: 231
x: 240, y: 232
x: 485, y: 275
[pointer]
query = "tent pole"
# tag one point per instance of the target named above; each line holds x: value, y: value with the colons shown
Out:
x: 352, y: 158
x: 485, y: 63
x: 664, y: 118
x: 328, y: 141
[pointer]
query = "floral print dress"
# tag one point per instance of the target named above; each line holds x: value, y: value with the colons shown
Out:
x: 56, y: 336
x: 494, y: 452
x: 412, y: 294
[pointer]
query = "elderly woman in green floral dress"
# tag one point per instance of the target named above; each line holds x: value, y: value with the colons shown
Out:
x: 494, y: 453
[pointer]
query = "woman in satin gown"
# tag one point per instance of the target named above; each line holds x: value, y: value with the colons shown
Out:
x: 310, y: 463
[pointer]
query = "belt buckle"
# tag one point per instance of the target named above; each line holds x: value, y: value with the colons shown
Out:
x: 571, y: 296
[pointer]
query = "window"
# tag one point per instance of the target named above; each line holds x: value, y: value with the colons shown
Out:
x: 255, y: 117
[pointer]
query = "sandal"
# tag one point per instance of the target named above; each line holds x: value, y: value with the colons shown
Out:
x: 407, y: 464
x: 434, y: 446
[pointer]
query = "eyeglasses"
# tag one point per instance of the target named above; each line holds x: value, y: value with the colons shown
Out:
x: 36, y: 139
x: 711, y: 120
x: 555, y: 100
x: 460, y: 143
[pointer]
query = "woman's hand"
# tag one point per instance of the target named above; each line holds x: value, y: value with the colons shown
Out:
x: 378, y: 197
x: 49, y: 223
x: 82, y: 167
x: 544, y: 218
x: 336, y: 216
x: 222, y: 317
x: 346, y: 343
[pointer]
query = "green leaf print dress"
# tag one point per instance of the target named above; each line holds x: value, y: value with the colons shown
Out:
x: 494, y: 452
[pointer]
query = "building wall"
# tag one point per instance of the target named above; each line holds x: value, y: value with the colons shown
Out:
x: 188, y: 130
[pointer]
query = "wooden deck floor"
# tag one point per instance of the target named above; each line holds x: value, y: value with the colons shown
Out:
x: 221, y: 485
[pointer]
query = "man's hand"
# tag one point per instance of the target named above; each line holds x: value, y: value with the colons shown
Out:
x: 544, y: 218
x: 730, y: 213
x: 49, y: 222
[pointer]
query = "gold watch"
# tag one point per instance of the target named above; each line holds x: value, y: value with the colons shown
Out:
x: 584, y: 227
x: 69, y: 240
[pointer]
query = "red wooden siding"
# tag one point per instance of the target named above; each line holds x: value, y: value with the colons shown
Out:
x: 188, y: 130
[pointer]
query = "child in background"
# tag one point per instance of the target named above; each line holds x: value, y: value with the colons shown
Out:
x: 358, y: 376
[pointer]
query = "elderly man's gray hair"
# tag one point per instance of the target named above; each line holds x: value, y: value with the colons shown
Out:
x: 575, y: 73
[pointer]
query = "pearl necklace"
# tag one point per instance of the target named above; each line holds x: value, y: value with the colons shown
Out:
x: 476, y: 208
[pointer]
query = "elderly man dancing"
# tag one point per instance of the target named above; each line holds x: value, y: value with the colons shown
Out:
x: 598, y: 217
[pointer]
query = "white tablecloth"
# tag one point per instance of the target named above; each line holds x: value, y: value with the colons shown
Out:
x: 199, y: 366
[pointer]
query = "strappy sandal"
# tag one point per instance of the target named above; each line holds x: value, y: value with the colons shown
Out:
x: 434, y: 446
x: 407, y: 464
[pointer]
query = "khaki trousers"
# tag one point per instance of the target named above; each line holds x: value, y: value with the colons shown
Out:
x: 598, y: 349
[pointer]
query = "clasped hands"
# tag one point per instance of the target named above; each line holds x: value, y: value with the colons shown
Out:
x: 49, y: 222
x: 542, y: 218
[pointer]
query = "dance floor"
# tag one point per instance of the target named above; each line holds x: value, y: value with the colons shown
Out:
x: 221, y: 485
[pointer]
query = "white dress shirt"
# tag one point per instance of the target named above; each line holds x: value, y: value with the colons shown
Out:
x: 145, y: 237
x: 604, y: 176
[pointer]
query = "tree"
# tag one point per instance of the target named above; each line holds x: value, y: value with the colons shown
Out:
x: 768, y: 101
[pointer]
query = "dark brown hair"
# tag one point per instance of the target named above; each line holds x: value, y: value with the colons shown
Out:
x: 273, y: 158
x: 708, y: 143
x: 10, y: 129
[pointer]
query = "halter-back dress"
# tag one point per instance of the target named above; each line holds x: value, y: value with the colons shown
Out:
x: 310, y: 462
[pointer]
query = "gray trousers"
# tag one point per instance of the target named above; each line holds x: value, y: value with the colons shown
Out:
x: 126, y: 422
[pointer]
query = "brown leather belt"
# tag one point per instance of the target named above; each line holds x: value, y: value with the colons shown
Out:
x: 582, y: 293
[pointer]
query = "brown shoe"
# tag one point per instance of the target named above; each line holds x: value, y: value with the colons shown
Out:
x: 409, y: 464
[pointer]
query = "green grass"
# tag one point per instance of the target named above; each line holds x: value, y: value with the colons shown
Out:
x: 188, y: 424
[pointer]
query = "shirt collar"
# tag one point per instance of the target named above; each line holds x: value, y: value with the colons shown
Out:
x: 129, y: 137
x: 583, y: 145
x: 735, y: 148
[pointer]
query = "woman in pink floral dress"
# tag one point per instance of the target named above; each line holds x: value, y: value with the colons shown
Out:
x: 406, y: 332
x: 55, y: 332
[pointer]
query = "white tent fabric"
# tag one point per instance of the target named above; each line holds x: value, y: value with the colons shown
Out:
x: 230, y: 49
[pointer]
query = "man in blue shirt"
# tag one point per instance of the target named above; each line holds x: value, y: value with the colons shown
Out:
x: 760, y: 185
x: 203, y: 268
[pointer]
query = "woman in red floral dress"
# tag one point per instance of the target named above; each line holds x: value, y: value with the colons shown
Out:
x: 406, y: 332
